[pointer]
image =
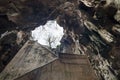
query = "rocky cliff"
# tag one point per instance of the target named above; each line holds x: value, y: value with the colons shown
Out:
x: 91, y: 27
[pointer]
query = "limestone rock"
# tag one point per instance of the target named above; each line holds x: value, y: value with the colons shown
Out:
x: 106, y: 36
x: 91, y: 23
x: 117, y: 16
x: 116, y: 29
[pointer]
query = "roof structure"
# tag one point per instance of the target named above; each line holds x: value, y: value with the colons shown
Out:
x: 66, y: 67
x: 31, y: 56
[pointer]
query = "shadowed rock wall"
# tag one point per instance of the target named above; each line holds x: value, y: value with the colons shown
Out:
x: 94, y: 24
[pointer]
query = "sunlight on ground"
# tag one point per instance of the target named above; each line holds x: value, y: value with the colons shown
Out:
x: 51, y: 30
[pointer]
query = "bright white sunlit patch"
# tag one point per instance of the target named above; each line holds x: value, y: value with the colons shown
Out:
x: 50, y: 30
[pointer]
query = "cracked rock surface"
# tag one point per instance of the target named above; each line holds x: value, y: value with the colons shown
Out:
x: 91, y: 27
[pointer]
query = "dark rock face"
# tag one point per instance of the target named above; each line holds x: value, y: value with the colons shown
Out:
x: 10, y: 43
x: 5, y: 24
x: 97, y: 32
x: 91, y: 27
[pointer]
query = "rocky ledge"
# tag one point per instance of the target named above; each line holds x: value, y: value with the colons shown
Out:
x: 91, y: 27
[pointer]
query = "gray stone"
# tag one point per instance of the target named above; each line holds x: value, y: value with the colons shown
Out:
x: 117, y: 16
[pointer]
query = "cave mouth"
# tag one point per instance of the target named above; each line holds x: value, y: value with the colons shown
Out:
x: 49, y: 34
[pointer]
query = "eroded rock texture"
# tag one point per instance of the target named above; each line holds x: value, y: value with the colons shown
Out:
x: 10, y: 43
x: 91, y: 27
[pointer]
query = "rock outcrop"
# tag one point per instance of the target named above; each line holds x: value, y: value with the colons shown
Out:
x: 94, y: 24
x: 10, y: 43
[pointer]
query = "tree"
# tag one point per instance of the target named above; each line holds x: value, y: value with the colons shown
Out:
x: 51, y: 40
